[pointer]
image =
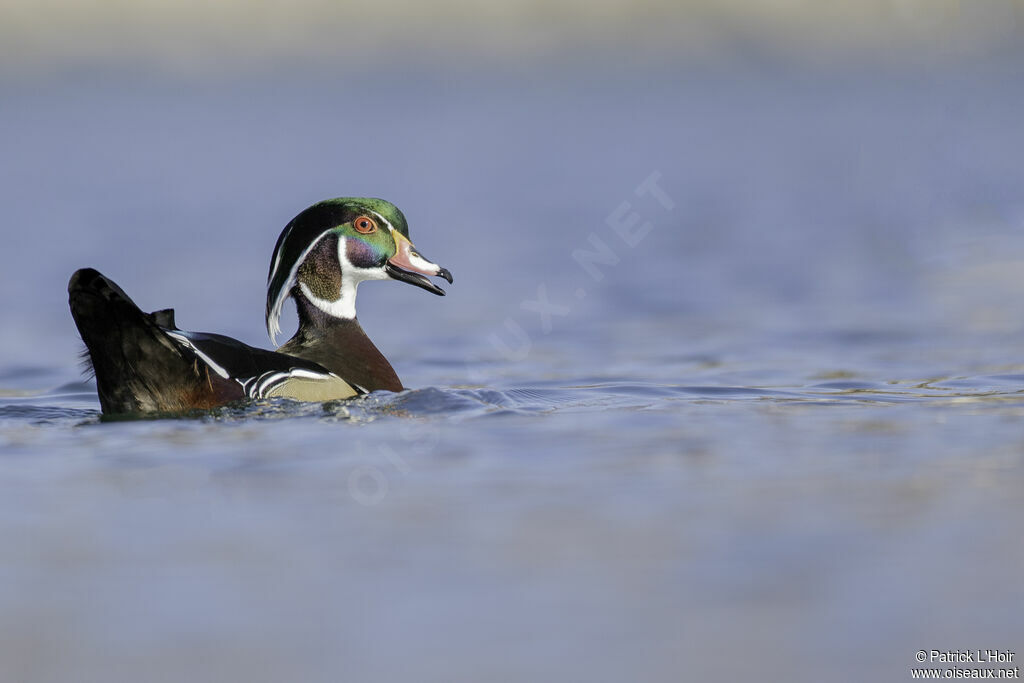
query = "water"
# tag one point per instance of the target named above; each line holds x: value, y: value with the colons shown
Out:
x: 776, y: 435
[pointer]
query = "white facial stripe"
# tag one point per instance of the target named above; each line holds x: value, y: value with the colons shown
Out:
x: 344, y: 307
x: 277, y: 256
x: 274, y: 319
x: 351, y: 276
x: 187, y: 343
x: 383, y: 220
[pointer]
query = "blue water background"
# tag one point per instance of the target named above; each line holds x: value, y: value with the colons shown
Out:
x: 780, y: 432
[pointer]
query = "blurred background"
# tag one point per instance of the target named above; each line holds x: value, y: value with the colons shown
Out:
x: 768, y: 430
x: 234, y: 36
x: 169, y: 142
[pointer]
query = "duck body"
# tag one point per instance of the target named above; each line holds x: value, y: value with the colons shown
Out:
x: 144, y: 363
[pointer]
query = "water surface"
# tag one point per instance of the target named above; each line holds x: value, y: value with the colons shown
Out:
x: 778, y: 430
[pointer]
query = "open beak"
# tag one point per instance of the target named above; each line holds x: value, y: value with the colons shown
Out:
x: 408, y: 266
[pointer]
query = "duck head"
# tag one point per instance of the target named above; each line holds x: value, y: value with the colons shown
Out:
x: 327, y: 250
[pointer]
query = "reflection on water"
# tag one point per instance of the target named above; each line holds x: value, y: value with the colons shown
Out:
x: 784, y: 421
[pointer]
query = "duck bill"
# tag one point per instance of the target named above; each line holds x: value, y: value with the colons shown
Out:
x: 408, y: 266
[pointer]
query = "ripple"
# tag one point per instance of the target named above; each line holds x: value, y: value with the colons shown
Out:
x: 541, y: 396
x: 42, y: 414
x: 76, y: 401
x: 849, y: 386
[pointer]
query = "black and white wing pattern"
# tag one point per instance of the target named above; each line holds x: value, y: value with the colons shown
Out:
x: 264, y: 374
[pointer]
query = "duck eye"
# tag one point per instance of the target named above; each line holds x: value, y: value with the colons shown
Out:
x: 364, y: 224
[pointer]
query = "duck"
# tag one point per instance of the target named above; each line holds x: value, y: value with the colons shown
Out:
x: 144, y: 363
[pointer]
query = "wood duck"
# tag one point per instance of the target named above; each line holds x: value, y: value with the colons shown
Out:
x: 144, y: 363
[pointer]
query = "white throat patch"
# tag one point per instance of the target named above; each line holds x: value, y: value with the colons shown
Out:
x: 345, y: 305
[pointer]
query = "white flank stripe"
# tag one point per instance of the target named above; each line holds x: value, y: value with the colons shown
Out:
x: 258, y: 387
x: 310, y: 374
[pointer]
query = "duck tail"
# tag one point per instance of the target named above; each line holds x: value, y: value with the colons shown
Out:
x: 127, y: 350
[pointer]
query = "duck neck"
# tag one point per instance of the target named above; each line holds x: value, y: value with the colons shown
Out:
x: 340, y: 345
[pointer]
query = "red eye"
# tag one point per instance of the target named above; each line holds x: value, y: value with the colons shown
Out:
x: 364, y: 224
